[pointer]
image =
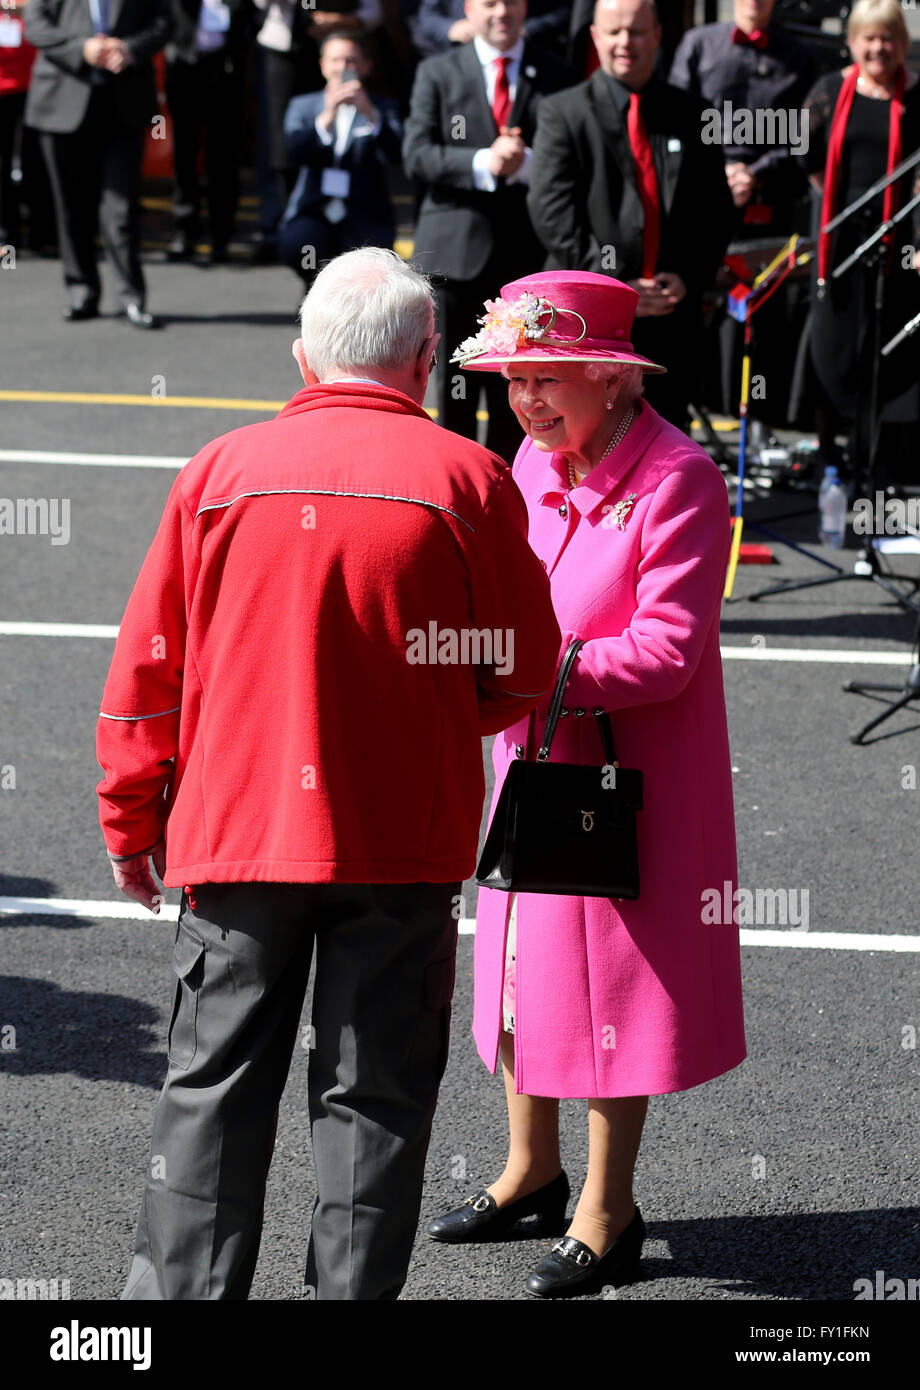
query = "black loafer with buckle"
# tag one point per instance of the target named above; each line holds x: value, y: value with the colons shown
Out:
x: 478, y: 1218
x: 571, y: 1268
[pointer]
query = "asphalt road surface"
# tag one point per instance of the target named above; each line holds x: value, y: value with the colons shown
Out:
x: 790, y: 1178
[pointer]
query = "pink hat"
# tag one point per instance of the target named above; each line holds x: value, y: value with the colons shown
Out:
x: 556, y: 316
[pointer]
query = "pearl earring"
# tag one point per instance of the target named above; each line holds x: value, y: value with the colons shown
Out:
x: 608, y: 405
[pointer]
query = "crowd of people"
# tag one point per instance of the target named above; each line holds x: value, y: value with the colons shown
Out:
x: 575, y: 135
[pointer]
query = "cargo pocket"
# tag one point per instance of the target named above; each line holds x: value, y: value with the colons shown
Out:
x: 428, y: 1056
x: 188, y: 963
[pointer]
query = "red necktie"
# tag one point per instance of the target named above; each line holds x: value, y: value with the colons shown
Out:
x: 501, y: 101
x: 758, y: 39
x: 648, y: 185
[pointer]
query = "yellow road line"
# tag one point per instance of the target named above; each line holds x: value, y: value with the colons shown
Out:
x: 192, y: 402
x: 198, y: 402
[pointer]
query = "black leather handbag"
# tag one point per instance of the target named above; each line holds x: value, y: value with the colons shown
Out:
x: 564, y: 827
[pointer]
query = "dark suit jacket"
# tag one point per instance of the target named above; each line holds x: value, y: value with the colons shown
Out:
x: 547, y: 23
x: 183, y: 44
x: 583, y: 191
x: 459, y: 226
x: 61, y: 80
x: 365, y: 157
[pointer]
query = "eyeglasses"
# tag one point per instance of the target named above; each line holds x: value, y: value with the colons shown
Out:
x: 433, y: 363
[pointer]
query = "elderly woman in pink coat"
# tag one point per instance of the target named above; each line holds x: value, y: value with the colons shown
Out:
x: 609, y: 999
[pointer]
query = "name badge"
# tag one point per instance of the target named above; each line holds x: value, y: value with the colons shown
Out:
x: 674, y: 147
x: 10, y: 34
x: 335, y: 183
x: 215, y: 18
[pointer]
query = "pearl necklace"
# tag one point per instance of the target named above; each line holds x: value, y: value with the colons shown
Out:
x: 876, y: 95
x: 619, y: 435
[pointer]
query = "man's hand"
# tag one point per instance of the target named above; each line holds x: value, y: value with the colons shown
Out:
x: 358, y: 97
x: 461, y: 31
x: 102, y: 51
x: 323, y: 20
x: 117, y: 56
x: 658, y: 296
x: 345, y: 94
x: 741, y: 183
x: 506, y: 153
x: 133, y: 877
x: 95, y: 50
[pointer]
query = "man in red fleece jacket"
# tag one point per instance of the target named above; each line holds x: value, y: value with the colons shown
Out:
x: 337, y: 605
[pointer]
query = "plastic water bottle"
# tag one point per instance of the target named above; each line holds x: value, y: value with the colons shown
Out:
x: 832, y: 504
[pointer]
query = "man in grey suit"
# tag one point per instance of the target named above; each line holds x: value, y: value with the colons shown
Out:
x: 468, y: 138
x: 92, y: 98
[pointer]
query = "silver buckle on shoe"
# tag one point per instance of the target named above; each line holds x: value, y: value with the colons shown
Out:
x: 478, y: 1203
x: 582, y: 1258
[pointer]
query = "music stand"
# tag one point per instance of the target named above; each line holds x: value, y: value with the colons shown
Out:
x: 872, y: 253
x: 910, y: 690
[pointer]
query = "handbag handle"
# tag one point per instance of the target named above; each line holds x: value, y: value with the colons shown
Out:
x: 555, y: 705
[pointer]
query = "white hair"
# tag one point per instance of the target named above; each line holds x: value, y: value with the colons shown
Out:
x: 365, y: 309
x: 628, y: 377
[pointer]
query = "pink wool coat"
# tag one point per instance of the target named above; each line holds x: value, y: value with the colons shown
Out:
x: 617, y: 998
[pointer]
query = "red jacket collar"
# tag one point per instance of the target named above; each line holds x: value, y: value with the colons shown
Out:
x: 365, y: 395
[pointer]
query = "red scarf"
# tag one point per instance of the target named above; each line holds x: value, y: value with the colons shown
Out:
x: 835, y: 150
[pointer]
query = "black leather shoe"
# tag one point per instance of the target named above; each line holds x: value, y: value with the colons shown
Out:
x: 75, y: 312
x: 139, y: 317
x: 572, y: 1268
x: 480, y: 1219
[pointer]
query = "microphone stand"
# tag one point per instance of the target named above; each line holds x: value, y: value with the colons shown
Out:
x: 871, y: 253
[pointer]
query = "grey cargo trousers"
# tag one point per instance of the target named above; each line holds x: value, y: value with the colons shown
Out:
x: 385, y: 956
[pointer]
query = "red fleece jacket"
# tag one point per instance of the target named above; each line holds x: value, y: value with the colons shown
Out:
x: 275, y: 704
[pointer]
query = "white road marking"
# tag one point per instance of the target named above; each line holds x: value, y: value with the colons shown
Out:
x: 854, y: 658
x: 820, y: 940
x: 75, y: 907
x: 846, y: 658
x: 57, y: 630
x: 93, y: 460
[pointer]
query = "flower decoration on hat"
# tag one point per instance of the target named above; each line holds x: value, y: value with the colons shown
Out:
x: 507, y: 326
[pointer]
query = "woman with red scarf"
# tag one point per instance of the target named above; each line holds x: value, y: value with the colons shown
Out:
x: 861, y: 123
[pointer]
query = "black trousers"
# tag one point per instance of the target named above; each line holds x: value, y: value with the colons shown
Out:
x: 206, y: 98
x: 325, y: 240
x: 95, y: 174
x: 374, y: 1057
x: 460, y: 305
x: 11, y: 108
